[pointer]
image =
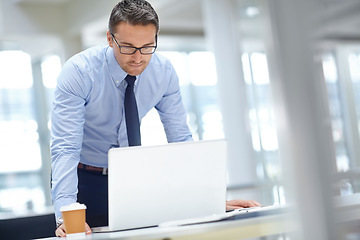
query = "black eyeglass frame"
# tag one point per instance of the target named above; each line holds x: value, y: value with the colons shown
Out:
x: 135, y: 48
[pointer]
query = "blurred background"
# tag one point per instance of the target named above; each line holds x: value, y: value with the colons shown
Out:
x: 279, y: 79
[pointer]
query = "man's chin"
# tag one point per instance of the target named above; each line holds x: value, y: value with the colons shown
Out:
x: 135, y: 72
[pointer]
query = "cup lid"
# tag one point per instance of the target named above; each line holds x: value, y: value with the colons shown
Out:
x: 72, y: 207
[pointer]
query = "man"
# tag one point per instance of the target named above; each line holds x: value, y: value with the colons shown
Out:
x: 89, y: 116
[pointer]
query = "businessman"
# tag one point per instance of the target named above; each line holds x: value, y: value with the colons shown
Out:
x: 99, y: 92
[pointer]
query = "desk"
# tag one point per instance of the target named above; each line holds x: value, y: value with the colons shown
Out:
x: 229, y: 230
x: 347, y: 209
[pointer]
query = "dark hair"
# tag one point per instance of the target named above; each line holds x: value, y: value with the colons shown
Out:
x: 134, y: 12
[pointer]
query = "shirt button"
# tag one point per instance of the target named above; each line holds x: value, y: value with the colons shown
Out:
x: 117, y: 82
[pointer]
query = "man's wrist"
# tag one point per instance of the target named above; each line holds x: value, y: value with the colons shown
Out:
x: 59, y: 221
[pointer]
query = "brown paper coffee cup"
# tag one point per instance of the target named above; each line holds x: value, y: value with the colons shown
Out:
x: 74, y: 219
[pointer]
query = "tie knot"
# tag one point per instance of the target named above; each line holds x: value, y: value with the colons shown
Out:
x: 130, y: 80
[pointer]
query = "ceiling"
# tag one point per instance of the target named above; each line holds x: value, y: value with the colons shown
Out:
x: 181, y: 22
x: 42, y: 1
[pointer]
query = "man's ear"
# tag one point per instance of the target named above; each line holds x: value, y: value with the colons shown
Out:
x: 109, y: 38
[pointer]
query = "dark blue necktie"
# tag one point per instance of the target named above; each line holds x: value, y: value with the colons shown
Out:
x: 131, y: 113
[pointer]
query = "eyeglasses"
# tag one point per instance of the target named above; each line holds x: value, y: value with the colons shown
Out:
x: 127, y: 50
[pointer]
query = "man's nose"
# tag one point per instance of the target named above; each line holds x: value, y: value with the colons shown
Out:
x: 137, y: 55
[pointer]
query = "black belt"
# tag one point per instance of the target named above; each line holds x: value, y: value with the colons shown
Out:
x: 102, y: 171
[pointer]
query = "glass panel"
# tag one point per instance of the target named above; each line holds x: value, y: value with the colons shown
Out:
x: 20, y: 157
x: 354, y: 67
x: 262, y: 123
x: 18, y: 128
x: 331, y: 80
x: 205, y: 95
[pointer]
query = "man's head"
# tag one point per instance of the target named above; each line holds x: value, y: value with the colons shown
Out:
x: 133, y: 23
x: 134, y: 12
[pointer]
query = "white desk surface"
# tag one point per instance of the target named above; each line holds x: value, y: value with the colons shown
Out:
x: 348, y: 210
x: 231, y: 229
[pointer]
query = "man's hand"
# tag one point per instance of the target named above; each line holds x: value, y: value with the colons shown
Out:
x: 238, y: 203
x: 60, y: 231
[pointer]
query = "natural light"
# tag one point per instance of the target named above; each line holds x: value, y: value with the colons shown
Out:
x: 20, y: 150
x: 15, y: 70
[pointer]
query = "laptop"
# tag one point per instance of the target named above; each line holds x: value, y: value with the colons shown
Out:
x: 150, y: 185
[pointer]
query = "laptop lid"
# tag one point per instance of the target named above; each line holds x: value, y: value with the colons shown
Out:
x: 151, y: 185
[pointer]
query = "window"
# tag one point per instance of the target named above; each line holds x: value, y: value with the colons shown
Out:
x: 197, y: 76
x: 336, y: 112
x: 22, y: 183
x: 262, y: 122
x: 342, y: 78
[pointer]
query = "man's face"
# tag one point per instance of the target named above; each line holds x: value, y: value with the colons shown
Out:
x: 132, y: 36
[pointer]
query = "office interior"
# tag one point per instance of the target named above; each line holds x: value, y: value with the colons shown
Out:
x: 279, y: 79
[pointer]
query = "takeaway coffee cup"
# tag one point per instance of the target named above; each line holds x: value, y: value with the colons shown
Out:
x: 74, y: 219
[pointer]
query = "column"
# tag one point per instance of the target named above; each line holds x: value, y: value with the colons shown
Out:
x: 221, y: 33
x: 41, y: 114
x: 302, y: 114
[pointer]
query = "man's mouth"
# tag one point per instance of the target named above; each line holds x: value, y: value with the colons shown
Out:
x: 134, y: 64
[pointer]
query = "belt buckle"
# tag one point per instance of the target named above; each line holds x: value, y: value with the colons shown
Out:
x: 105, y: 171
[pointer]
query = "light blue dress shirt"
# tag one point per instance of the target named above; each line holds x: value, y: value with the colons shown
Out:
x: 87, y: 117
